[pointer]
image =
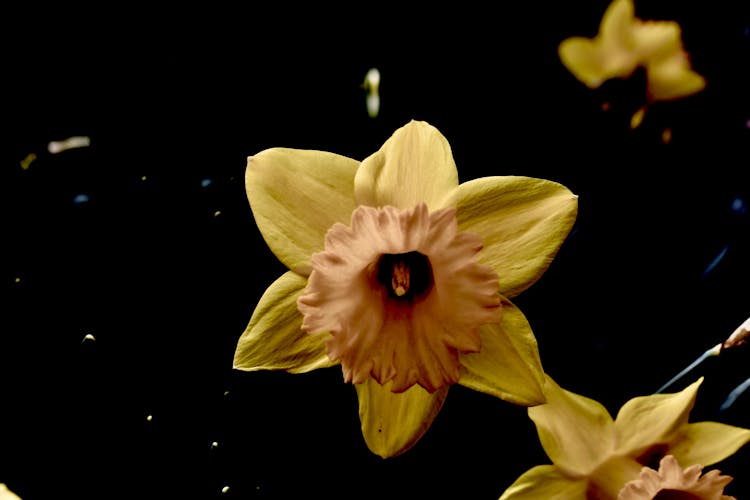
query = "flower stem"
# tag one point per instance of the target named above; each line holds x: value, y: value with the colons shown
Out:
x: 714, y: 351
x: 736, y: 392
x: 738, y: 337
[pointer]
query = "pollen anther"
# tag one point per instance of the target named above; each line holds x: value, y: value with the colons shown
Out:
x: 400, y: 278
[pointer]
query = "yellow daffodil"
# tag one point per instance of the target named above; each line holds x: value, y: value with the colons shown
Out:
x: 402, y: 276
x: 6, y: 494
x: 625, y: 43
x: 594, y: 456
x: 670, y: 478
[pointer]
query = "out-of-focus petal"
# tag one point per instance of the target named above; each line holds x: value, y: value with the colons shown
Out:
x: 654, y: 39
x: 415, y: 164
x: 672, y: 78
x: 576, y: 432
x: 584, y: 60
x: 707, y: 443
x: 274, y: 340
x: 547, y: 482
x: 609, y: 54
x: 508, y: 364
x: 6, y: 494
x: 522, y: 222
x: 295, y: 196
x: 658, y: 418
x: 617, y: 23
x: 393, y: 422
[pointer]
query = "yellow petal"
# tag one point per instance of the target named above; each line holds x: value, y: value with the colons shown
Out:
x: 273, y: 339
x: 618, y: 21
x: 654, y: 39
x: 576, y: 432
x: 392, y: 423
x: 296, y: 195
x: 648, y: 420
x: 547, y: 482
x: 508, y: 364
x: 707, y: 443
x: 522, y: 221
x: 6, y: 494
x: 608, y: 55
x: 415, y: 164
x: 584, y: 59
x: 672, y: 78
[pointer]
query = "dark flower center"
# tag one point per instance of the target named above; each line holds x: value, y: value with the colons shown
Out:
x: 404, y: 275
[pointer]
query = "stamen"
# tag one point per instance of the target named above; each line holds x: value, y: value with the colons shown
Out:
x: 400, y: 279
x: 404, y: 275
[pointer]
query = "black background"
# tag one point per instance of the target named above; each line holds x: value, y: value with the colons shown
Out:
x: 163, y: 264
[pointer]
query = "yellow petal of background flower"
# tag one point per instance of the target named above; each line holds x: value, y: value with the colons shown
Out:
x: 584, y: 59
x: 415, y: 164
x: 522, y: 222
x: 647, y: 420
x: 273, y: 339
x: 576, y: 432
x: 707, y: 443
x: 618, y: 21
x: 392, y: 423
x: 653, y: 39
x: 609, y: 54
x: 545, y: 482
x: 508, y: 365
x: 296, y: 195
x: 672, y: 78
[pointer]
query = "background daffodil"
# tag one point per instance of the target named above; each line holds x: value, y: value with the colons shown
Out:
x: 402, y: 276
x: 594, y: 456
x: 625, y: 43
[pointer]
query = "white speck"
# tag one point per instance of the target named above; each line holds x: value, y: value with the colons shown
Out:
x: 80, y: 199
x: 225, y: 489
x: 214, y: 445
x: 78, y: 141
x: 206, y: 182
x: 217, y: 213
x: 149, y: 418
x: 372, y: 86
x: 373, y: 105
x: 88, y: 337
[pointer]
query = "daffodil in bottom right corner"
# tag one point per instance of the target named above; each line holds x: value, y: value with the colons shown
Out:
x: 595, y: 456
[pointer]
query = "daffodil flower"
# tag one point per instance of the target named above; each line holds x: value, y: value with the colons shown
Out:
x: 402, y: 276
x: 625, y: 43
x: 594, y: 456
x: 6, y: 494
x: 673, y: 479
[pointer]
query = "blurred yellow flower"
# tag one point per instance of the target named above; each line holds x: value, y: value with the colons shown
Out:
x: 594, y: 456
x: 671, y: 478
x: 401, y: 276
x: 625, y: 43
x: 6, y: 494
